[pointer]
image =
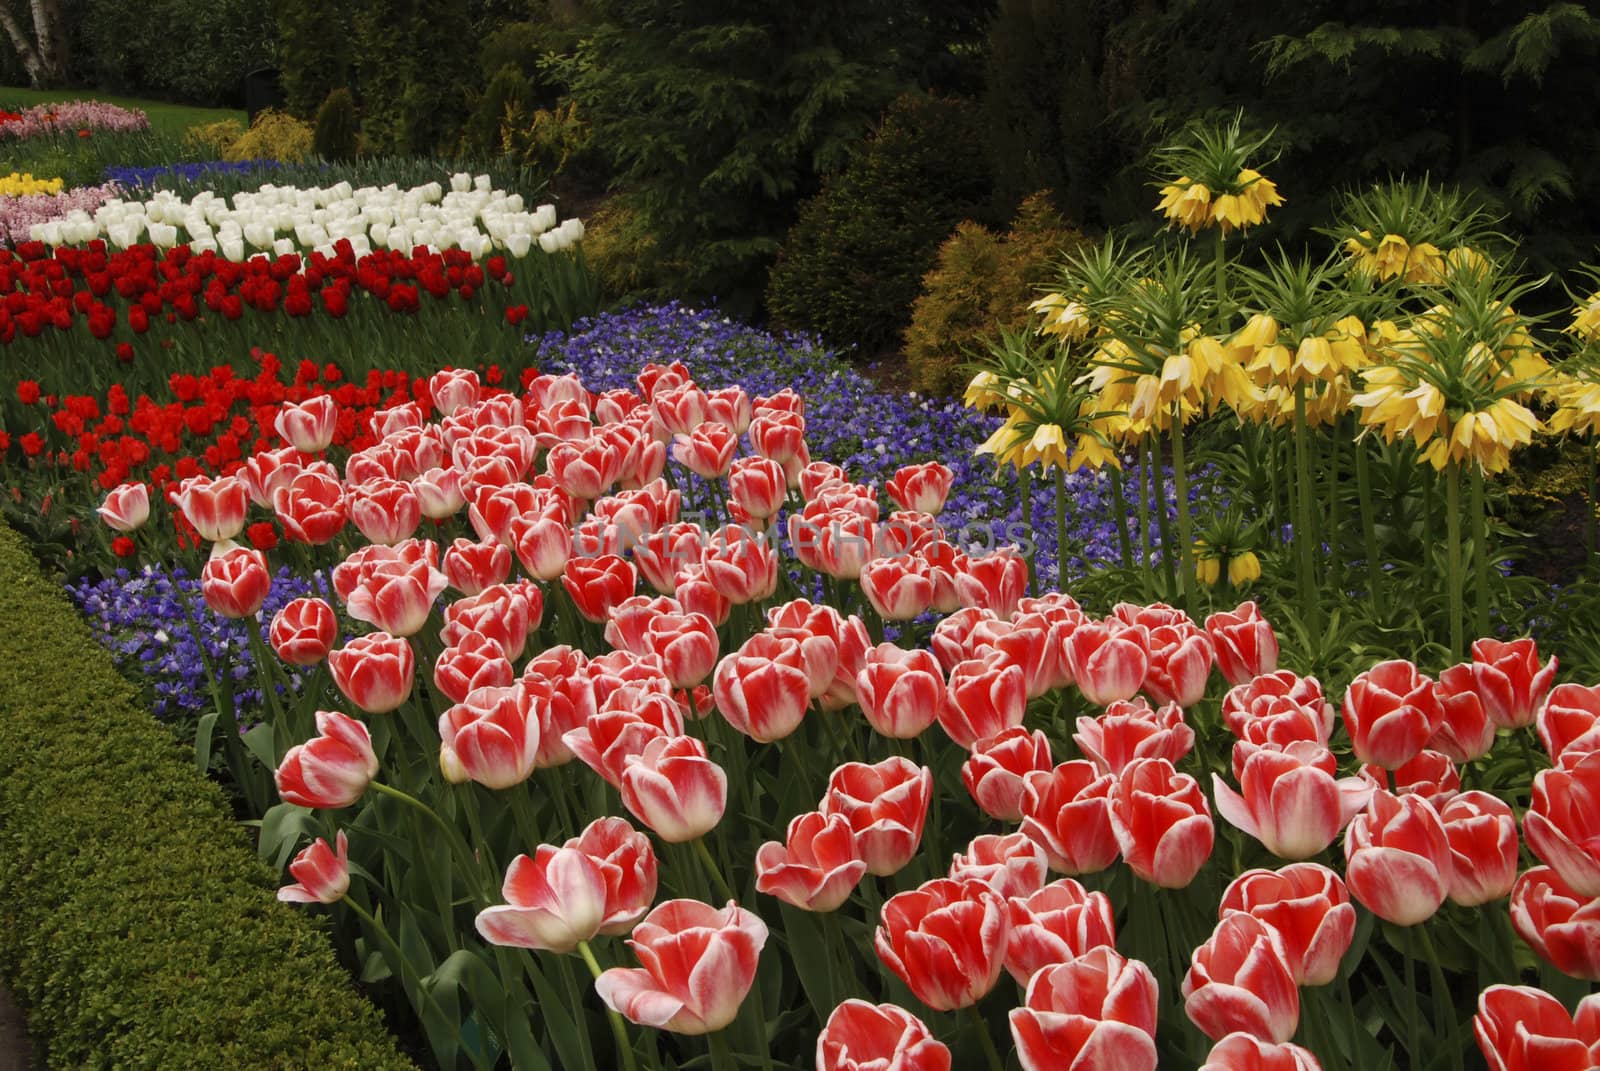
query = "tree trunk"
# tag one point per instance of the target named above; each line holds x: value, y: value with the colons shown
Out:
x: 31, y: 63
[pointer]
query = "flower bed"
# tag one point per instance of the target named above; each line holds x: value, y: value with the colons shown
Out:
x: 80, y: 118
x: 20, y: 214
x: 60, y: 306
x: 286, y: 219
x: 749, y: 677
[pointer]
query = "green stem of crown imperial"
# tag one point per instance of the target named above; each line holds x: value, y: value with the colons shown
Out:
x: 1480, y: 554
x: 1304, y: 534
x: 1180, y: 486
x: 1061, y: 528
x: 1453, y: 581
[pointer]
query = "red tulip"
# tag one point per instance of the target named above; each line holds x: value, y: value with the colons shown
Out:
x: 476, y: 661
x: 1483, y: 841
x: 491, y: 737
x: 627, y: 866
x: 472, y: 567
x: 781, y: 437
x: 1562, y: 926
x: 1563, y: 823
x: 742, y: 565
x: 1180, y: 665
x: 1246, y: 647
x: 1429, y: 774
x: 386, y: 511
x: 304, y: 631
x: 1465, y: 732
x: 504, y: 613
x: 311, y: 508
x: 673, y: 787
x: 1093, y: 1013
x: 454, y: 389
x: 235, y: 584
x: 1162, y: 822
x: 440, y: 493
x: 1520, y: 1028
x: 764, y: 698
x: 1130, y: 730
x: 1025, y: 642
x: 1068, y: 813
x: 686, y: 645
x: 1109, y: 660
x: 985, y: 696
x: 1290, y: 800
x: 707, y: 451
x: 1055, y: 925
x: 854, y: 643
x: 883, y: 1037
x: 994, y: 582
x: 900, y: 692
x: 555, y: 900
x: 596, y: 585
x: 1243, y: 1052
x: 730, y: 406
x: 309, y: 426
x: 321, y: 872
x: 921, y: 488
x: 126, y: 507
x: 1011, y: 865
x: 957, y: 637
x: 609, y: 737
x: 898, y: 587
x: 1399, y: 863
x: 1275, y: 695
x: 757, y: 486
x: 1569, y: 723
x: 946, y: 940
x: 818, y: 866
x: 887, y: 805
x: 1510, y: 680
x: 1309, y: 907
x: 330, y: 770
x: 1239, y: 980
x: 216, y: 508
x: 699, y: 963
x: 1391, y: 711
x: 397, y: 597
x: 586, y: 468
x: 995, y: 772
x: 375, y: 671
x: 678, y: 409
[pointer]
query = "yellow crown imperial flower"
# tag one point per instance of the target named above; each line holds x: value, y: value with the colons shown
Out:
x: 1047, y: 447
x: 1243, y: 568
x: 1586, y: 319
x: 1063, y: 317
x: 984, y: 392
x: 1186, y: 203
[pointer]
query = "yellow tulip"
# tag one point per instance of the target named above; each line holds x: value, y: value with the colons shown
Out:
x: 1047, y: 447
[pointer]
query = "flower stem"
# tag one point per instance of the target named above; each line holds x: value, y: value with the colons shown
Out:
x: 1480, y: 555
x: 1441, y: 1000
x: 1061, y: 528
x: 713, y: 869
x: 1158, y: 484
x: 619, y: 1029
x: 993, y: 1054
x: 1025, y: 510
x: 1304, y: 538
x: 1120, y: 504
x: 1594, y: 504
x: 1452, y: 521
x: 1180, y: 486
x: 1369, y: 530
x: 1144, y: 519
x: 721, y: 1055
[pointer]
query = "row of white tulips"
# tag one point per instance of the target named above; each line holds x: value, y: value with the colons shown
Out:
x: 285, y: 219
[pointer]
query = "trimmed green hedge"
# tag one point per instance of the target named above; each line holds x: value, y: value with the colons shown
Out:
x: 136, y: 926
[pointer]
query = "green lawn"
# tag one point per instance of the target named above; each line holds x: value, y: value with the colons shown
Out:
x: 164, y: 118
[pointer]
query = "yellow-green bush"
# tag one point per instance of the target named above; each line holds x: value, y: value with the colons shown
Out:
x: 981, y: 285
x: 620, y: 252
x: 214, y: 139
x: 274, y: 135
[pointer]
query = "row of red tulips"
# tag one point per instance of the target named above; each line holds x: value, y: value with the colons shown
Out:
x: 715, y: 651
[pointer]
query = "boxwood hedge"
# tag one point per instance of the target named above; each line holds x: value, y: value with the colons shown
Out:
x: 136, y: 926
